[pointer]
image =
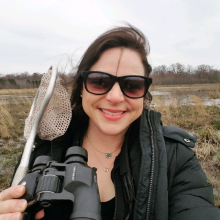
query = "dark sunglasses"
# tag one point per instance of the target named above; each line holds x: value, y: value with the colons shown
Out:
x: 100, y: 83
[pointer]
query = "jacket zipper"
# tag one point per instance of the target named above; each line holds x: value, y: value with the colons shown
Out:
x: 152, y: 168
x: 115, y: 204
x: 116, y: 201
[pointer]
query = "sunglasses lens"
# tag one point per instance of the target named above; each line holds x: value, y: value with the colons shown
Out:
x: 98, y: 83
x: 133, y: 86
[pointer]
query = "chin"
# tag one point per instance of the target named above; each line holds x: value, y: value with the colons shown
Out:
x: 113, y: 130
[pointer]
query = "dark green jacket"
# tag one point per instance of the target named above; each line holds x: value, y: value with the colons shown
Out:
x: 162, y: 180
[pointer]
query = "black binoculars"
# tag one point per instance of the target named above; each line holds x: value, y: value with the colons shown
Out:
x: 73, y: 181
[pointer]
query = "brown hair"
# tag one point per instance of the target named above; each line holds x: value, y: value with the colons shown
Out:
x: 128, y: 37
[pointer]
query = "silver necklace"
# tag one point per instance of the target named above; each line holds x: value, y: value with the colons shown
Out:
x: 107, y: 155
x: 106, y: 169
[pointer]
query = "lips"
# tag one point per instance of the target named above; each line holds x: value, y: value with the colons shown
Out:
x: 112, y: 112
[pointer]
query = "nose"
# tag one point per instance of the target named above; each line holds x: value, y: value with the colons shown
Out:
x: 115, y: 95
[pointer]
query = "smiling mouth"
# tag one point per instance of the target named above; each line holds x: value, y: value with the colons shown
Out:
x: 111, y: 113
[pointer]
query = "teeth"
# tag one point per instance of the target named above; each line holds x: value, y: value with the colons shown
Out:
x: 111, y: 113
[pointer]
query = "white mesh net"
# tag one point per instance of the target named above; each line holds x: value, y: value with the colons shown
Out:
x: 57, y: 115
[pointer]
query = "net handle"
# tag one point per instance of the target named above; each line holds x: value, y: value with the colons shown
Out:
x: 23, y: 166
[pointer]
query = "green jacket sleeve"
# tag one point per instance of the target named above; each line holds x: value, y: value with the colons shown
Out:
x: 190, y: 194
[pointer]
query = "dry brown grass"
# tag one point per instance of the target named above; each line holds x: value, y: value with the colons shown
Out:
x: 199, y: 104
x: 6, y: 122
x: 12, y: 117
x: 13, y: 112
x: 215, y: 94
x: 204, y: 122
x: 208, y: 152
x: 193, y: 88
x: 208, y: 144
x: 17, y: 91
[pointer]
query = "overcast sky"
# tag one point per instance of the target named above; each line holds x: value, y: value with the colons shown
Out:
x: 37, y: 34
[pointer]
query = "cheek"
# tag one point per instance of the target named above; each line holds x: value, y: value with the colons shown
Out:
x: 89, y: 102
x: 84, y: 108
x: 85, y: 100
x: 140, y: 108
x: 85, y: 103
x: 139, y: 104
x: 137, y: 107
x: 83, y: 90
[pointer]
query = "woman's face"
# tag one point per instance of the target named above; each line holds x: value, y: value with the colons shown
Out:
x: 112, y: 113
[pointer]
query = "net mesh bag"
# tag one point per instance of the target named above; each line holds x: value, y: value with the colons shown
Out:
x: 57, y: 115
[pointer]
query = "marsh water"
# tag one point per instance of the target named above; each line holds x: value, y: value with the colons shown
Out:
x: 189, y: 98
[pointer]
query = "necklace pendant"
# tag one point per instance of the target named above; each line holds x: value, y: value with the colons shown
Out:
x: 106, y: 169
x: 108, y: 155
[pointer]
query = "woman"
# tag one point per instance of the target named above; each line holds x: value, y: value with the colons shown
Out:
x: 144, y: 170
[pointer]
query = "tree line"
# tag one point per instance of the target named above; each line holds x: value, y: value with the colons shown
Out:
x: 179, y: 74
x: 162, y: 75
x: 20, y: 81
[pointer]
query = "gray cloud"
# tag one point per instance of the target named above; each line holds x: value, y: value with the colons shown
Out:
x: 36, y: 34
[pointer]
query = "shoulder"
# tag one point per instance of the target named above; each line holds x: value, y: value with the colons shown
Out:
x: 179, y: 144
x: 190, y: 194
x: 176, y: 134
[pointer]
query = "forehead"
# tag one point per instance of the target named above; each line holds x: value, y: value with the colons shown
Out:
x: 120, y: 61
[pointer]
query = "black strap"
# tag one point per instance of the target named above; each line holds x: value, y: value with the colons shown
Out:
x: 126, y: 177
x: 57, y: 147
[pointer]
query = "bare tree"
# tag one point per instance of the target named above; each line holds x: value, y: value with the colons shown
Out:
x: 160, y: 70
x: 177, y: 68
x: 189, y: 69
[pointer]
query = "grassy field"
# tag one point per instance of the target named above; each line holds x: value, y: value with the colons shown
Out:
x: 12, y: 119
x: 195, y: 117
x: 17, y: 91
